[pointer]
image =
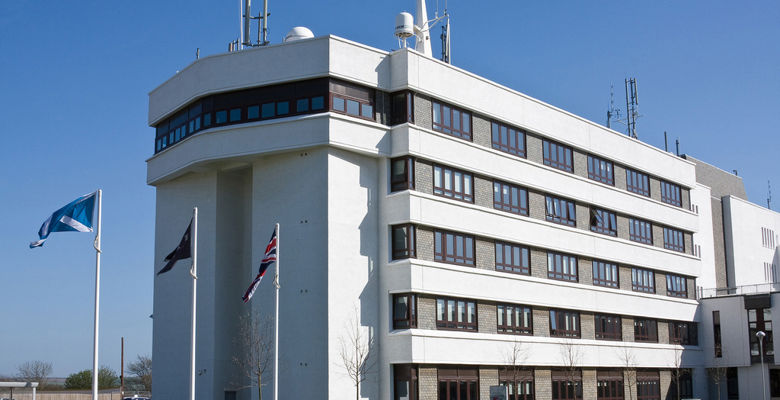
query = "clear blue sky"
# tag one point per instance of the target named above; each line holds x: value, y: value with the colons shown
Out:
x: 74, y: 78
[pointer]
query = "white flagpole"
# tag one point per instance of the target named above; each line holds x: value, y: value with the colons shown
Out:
x: 276, y: 318
x: 194, y: 273
x: 97, y: 246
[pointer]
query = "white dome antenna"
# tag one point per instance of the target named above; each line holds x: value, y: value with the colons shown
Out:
x: 404, y: 28
x: 298, y: 33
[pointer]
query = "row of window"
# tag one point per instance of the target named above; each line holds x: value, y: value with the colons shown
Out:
x: 462, y: 383
x: 460, y: 249
x: 767, y: 238
x: 461, y: 314
x: 459, y: 185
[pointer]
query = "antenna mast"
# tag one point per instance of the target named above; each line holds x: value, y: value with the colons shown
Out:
x: 613, y: 113
x: 262, y: 28
x: 769, y: 194
x: 632, y: 102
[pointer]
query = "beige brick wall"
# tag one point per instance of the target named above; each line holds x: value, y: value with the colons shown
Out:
x: 487, y: 377
x: 485, y: 254
x: 543, y: 384
x: 589, y: 381
x: 428, y: 382
x: 423, y: 176
x: 660, y: 283
x: 481, y: 133
x: 658, y: 235
x: 483, y: 192
x: 424, y: 243
x: 622, y: 227
x: 663, y: 332
x: 536, y: 207
x: 665, y: 380
x: 534, y: 148
x: 587, y: 326
x: 538, y: 263
x: 583, y: 216
x: 426, y: 312
x: 541, y: 322
x: 620, y: 176
x: 688, y: 240
x: 580, y: 163
x: 629, y: 384
x: 625, y: 277
x: 685, y: 196
x: 628, y: 328
x: 423, y: 112
x: 691, y: 286
x: 585, y: 270
x: 655, y: 189
x: 487, y: 319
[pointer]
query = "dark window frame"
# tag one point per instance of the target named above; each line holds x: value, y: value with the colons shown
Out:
x: 402, y: 113
x: 449, y: 129
x: 674, y: 239
x: 441, y: 248
x: 757, y: 321
x: 608, y: 327
x: 405, y: 373
x: 454, y: 382
x: 410, y: 249
x: 409, y: 320
x: 637, y: 182
x: 514, y: 321
x: 601, y: 170
x: 404, y: 180
x: 671, y: 193
x: 676, y: 286
x: 640, y: 230
x: 642, y: 280
x: 569, y: 320
x: 566, y: 385
x: 603, y: 221
x: 559, y: 267
x: 508, y: 139
x: 519, y: 382
x: 603, y: 278
x: 648, y: 385
x: 520, y: 266
x: 456, y: 325
x: 362, y: 104
x: 510, y: 198
x: 560, y: 211
x: 466, y: 182
x: 645, y: 330
x: 716, y: 334
x: 683, y: 333
x: 552, y: 152
x: 610, y: 385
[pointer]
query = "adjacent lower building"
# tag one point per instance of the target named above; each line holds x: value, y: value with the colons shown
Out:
x: 475, y: 235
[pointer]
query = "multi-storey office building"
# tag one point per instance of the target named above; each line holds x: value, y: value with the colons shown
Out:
x: 478, y: 235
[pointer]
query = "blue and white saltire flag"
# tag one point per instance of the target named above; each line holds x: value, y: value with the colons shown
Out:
x: 74, y: 217
x: 268, y: 259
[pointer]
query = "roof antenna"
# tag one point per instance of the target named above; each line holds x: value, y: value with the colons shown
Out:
x: 632, y: 101
x: 421, y: 30
x: 262, y: 28
x: 613, y: 113
x: 769, y: 195
x: 446, y: 50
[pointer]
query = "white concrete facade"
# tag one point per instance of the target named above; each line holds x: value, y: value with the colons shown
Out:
x: 325, y: 178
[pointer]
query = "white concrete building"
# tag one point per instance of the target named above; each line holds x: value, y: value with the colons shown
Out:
x: 459, y: 222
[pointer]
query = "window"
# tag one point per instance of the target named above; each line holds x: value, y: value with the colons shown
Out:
x: 683, y: 377
x: 670, y: 193
x: 637, y: 182
x: 235, y: 115
x: 221, y: 117
x: 513, y: 258
x: 404, y: 311
x: 560, y: 211
x: 351, y: 99
x: 317, y: 103
x: 403, y: 241
x: 302, y: 105
x: 608, y: 327
x: 770, y: 273
x: 402, y: 108
x: 774, y: 382
x: 282, y: 107
x: 732, y: 383
x: 645, y: 330
x: 453, y: 248
x: 648, y: 385
x: 453, y: 183
x: 642, y: 280
x: 768, y: 238
x: 405, y: 382
x: 676, y: 286
x: 562, y: 267
x: 605, y: 274
x: 600, y: 170
x: 567, y: 385
x: 684, y: 333
x: 508, y: 139
x: 451, y: 121
x: 514, y: 319
x: 674, y: 239
x: 609, y: 385
x: 760, y: 319
x: 557, y: 156
x: 519, y: 382
x: 640, y: 231
x: 402, y: 173
x: 253, y: 112
x: 564, y: 323
x: 456, y: 314
x: 510, y: 198
x: 458, y: 384
x: 603, y: 221
x: 716, y: 333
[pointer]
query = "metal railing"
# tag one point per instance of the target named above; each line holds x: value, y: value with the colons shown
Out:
x: 757, y: 288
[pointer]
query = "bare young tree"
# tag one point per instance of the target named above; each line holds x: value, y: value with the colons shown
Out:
x: 356, y: 351
x: 717, y: 376
x: 515, y: 360
x: 34, y: 371
x: 677, y: 372
x: 142, y: 368
x: 255, y: 342
x: 571, y: 357
x: 628, y: 362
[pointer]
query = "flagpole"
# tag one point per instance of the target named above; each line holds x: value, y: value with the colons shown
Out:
x: 194, y: 273
x: 276, y: 318
x: 97, y: 246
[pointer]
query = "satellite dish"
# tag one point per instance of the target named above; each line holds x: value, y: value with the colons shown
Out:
x: 298, y: 33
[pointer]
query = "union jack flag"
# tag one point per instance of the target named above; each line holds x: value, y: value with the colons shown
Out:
x: 268, y: 259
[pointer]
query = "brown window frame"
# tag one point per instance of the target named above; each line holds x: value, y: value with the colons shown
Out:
x: 637, y: 182
x: 566, y: 385
x: 508, y: 139
x: 409, y: 320
x: 716, y: 334
x: 510, y: 198
x: 608, y: 327
x: 684, y: 333
x: 564, y: 318
x: 648, y: 385
x: 520, y: 258
x: 674, y: 239
x: 466, y: 181
x: 454, y: 381
x: 645, y: 330
x: 610, y: 385
x: 551, y: 152
x: 456, y: 325
x: 441, y: 248
x: 560, y: 211
x: 509, y: 315
x: 600, y: 274
x: 405, y: 179
x: 405, y: 373
x: 640, y: 230
x: 410, y: 249
x: 676, y: 286
x: 603, y: 221
x: 461, y: 133
x: 519, y: 382
x: 601, y: 170
x: 402, y: 113
x: 642, y: 280
x: 671, y: 193
x: 757, y: 321
x: 562, y: 271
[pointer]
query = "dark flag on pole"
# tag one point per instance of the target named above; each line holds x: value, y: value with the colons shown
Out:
x: 181, y: 252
